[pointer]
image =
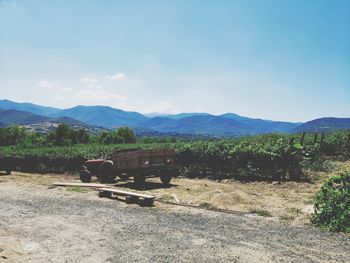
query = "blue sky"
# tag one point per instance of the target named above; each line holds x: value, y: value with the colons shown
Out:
x: 281, y: 60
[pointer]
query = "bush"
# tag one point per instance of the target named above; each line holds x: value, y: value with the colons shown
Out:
x: 332, y: 204
x: 12, y: 135
x: 121, y: 135
x: 127, y: 134
x: 110, y: 138
x: 64, y: 135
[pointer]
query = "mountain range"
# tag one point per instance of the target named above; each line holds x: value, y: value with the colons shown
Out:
x: 228, y: 124
x: 9, y: 117
x: 323, y: 125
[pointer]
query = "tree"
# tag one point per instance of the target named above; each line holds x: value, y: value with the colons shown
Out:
x: 80, y: 136
x: 35, y: 138
x: 121, y: 135
x: 110, y: 138
x: 127, y: 134
x: 61, y: 136
x: 64, y: 135
x: 12, y: 135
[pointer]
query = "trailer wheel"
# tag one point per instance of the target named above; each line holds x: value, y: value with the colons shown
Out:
x: 146, y: 202
x: 123, y: 176
x: 104, y: 194
x: 85, y: 176
x: 139, y: 180
x: 131, y: 199
x: 165, y: 178
x: 106, y: 173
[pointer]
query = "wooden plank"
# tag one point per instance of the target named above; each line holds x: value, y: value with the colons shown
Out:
x: 176, y: 199
x: 79, y: 184
x: 126, y: 193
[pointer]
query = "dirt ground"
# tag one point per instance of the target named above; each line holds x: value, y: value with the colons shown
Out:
x: 265, y: 222
x: 289, y: 201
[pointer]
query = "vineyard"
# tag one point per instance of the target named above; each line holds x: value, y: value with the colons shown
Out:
x: 263, y: 157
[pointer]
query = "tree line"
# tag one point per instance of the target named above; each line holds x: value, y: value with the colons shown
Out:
x: 63, y: 135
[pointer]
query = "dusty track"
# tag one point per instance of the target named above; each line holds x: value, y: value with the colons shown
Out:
x: 39, y: 223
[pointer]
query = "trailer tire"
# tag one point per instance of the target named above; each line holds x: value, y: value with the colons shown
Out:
x: 124, y: 177
x: 85, y: 176
x: 165, y: 178
x: 146, y: 202
x: 131, y: 199
x: 106, y: 173
x: 139, y: 180
x: 104, y: 194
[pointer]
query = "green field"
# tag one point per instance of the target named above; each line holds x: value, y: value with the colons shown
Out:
x: 263, y: 157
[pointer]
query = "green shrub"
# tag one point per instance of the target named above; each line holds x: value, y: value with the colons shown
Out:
x: 332, y: 204
x: 260, y: 212
x: 126, y: 134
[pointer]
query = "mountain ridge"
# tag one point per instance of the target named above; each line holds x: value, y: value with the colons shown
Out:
x: 228, y: 124
x: 326, y: 124
x: 14, y: 117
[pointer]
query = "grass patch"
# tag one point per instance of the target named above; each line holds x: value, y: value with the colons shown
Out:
x: 166, y: 198
x: 309, y: 201
x: 77, y: 189
x: 294, y: 211
x: 259, y: 212
x: 288, y: 217
x: 206, y: 205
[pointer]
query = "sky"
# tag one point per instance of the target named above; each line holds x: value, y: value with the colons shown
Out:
x: 281, y: 60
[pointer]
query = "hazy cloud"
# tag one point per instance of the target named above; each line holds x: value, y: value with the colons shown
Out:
x: 162, y: 106
x: 117, y: 76
x: 59, y: 99
x: 53, y: 88
x: 199, y: 109
x: 88, y: 79
x: 140, y: 102
x: 45, y: 84
x: 98, y: 94
x: 65, y: 89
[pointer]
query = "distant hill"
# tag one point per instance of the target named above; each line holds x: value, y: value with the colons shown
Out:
x: 199, y: 124
x: 68, y: 121
x: 184, y: 115
x: 28, y: 107
x: 324, y: 125
x: 16, y: 117
x: 9, y: 117
x: 228, y: 124
x: 102, y: 116
x: 263, y: 126
x: 213, y: 125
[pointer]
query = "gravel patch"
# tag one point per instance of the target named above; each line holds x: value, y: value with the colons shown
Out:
x: 43, y: 224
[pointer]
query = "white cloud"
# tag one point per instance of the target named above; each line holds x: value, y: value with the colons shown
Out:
x: 88, y: 79
x: 45, y: 84
x: 98, y: 94
x: 117, y: 76
x: 59, y: 99
x: 48, y: 85
x: 94, y: 86
x: 161, y: 106
x: 65, y: 89
x: 140, y: 102
x: 198, y: 109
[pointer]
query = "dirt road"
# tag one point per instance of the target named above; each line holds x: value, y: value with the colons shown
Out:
x: 39, y: 223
